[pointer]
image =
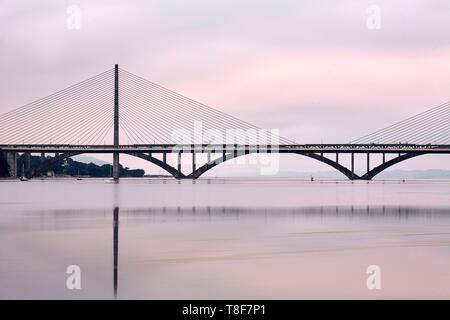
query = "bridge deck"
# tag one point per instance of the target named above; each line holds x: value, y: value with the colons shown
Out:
x: 202, y: 148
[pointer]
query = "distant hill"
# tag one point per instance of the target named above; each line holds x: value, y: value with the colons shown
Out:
x: 88, y: 159
x: 417, y: 174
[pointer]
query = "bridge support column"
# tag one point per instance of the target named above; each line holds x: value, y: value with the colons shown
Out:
x: 384, y: 158
x: 42, y: 156
x: 165, y: 157
x: 116, y: 166
x: 11, y: 159
x: 27, y: 161
x: 353, y: 166
x: 179, y: 162
x: 368, y: 162
x: 193, y: 161
x: 242, y: 151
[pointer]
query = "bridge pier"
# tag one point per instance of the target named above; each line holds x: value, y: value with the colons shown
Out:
x: 27, y: 161
x: 116, y: 166
x: 353, y: 166
x: 368, y: 162
x: 11, y: 159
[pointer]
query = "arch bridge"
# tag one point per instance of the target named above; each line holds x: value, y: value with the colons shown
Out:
x: 145, y: 119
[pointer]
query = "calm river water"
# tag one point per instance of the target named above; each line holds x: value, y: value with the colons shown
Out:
x: 224, y: 238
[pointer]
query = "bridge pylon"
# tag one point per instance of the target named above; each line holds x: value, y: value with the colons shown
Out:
x: 116, y: 165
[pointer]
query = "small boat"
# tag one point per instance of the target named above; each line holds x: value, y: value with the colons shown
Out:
x: 78, y: 176
x: 23, y: 177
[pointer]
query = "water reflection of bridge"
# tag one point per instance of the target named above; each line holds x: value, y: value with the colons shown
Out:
x: 211, y: 213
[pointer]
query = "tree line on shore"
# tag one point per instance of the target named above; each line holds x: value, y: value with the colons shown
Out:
x: 68, y: 167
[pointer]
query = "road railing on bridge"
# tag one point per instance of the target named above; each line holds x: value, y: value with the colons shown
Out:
x: 204, y: 148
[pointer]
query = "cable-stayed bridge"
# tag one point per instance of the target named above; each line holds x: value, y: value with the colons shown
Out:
x: 117, y: 112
